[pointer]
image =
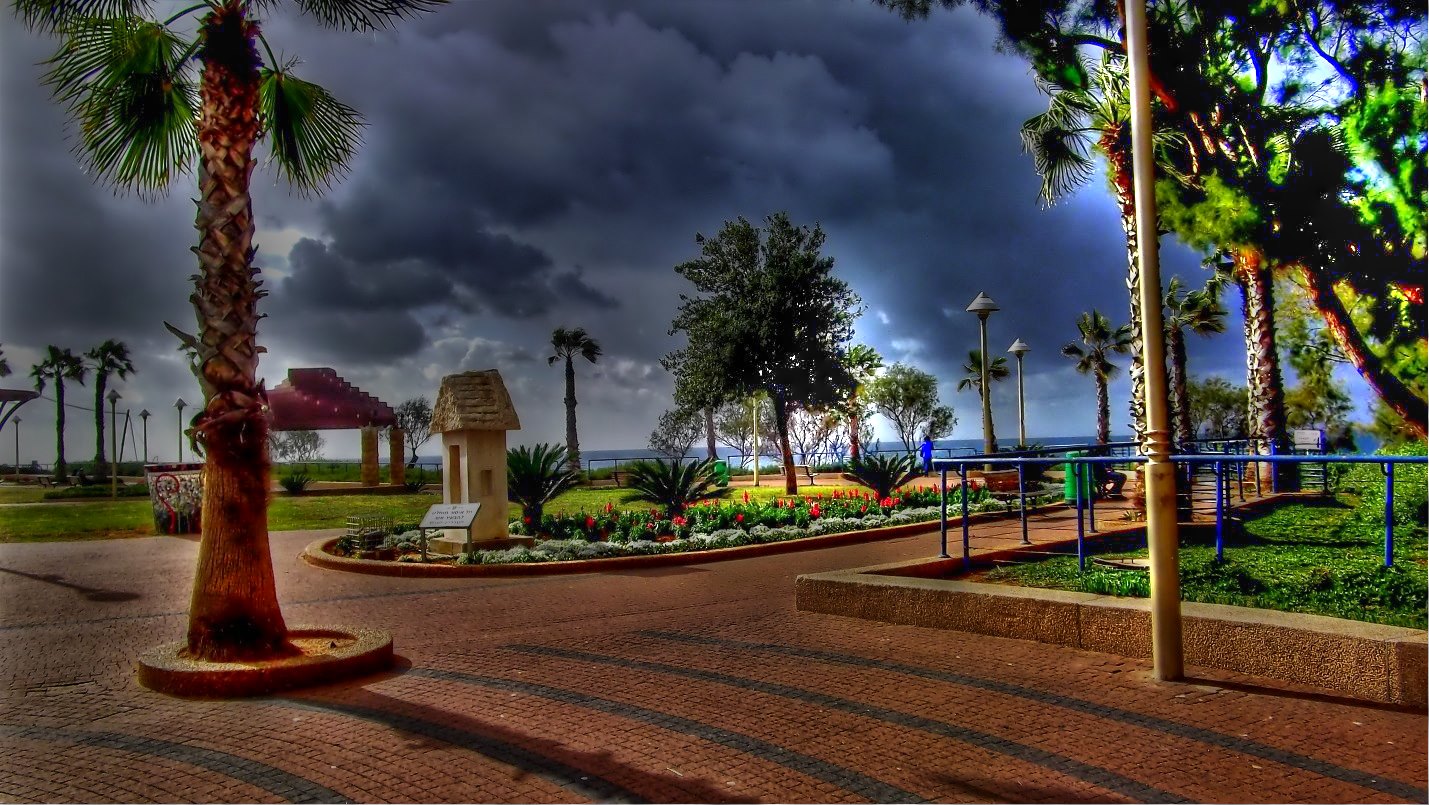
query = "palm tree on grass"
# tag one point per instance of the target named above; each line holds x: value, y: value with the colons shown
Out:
x: 4, y: 364
x: 972, y: 376
x: 863, y: 362
x: 109, y: 358
x: 535, y: 476
x: 58, y: 366
x: 1200, y: 312
x: 883, y: 474
x: 1099, y: 341
x: 568, y: 344
x: 151, y: 104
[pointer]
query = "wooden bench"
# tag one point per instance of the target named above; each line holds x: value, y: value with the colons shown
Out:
x: 805, y: 470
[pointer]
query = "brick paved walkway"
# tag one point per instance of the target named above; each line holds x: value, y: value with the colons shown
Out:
x: 696, y: 684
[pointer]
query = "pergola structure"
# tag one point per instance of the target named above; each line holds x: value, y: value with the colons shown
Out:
x: 319, y: 399
x: 11, y: 400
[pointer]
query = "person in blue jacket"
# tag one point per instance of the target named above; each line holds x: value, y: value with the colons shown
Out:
x: 927, y: 450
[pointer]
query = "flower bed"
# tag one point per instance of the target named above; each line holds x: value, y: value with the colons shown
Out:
x: 710, y: 525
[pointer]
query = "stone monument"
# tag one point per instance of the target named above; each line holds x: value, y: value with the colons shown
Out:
x: 472, y: 414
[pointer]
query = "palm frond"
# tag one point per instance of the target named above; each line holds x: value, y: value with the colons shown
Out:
x: 126, y: 83
x: 1061, y: 156
x: 364, y: 15
x: 313, y: 135
x: 54, y: 16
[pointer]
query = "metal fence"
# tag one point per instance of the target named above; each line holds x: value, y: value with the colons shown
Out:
x: 1083, y: 466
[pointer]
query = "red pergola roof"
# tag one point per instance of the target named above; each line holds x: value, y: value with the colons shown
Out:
x: 318, y: 399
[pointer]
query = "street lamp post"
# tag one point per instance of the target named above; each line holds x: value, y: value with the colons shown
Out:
x: 144, y: 415
x: 1020, y: 348
x: 755, y: 398
x: 113, y: 397
x: 180, y: 405
x: 17, y: 449
x: 983, y: 306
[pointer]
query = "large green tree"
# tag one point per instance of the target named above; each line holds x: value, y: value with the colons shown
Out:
x: 908, y: 397
x: 109, y: 358
x: 1093, y: 356
x: 768, y: 315
x: 566, y: 345
x: 58, y: 366
x: 152, y: 105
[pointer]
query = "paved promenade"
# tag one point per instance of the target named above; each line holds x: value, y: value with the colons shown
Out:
x: 685, y: 684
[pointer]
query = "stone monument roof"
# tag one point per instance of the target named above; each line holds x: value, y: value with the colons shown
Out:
x: 475, y: 400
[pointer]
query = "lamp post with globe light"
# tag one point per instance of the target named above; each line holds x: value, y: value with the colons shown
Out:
x: 144, y: 415
x: 113, y: 398
x: 180, y: 404
x: 1020, y: 348
x: 982, y: 307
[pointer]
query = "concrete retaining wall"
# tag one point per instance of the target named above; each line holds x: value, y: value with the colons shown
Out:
x: 1362, y: 660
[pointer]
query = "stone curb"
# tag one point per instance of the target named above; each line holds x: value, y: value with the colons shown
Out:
x: 162, y: 669
x: 318, y: 554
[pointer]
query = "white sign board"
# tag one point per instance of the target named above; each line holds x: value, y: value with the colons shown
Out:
x: 450, y: 515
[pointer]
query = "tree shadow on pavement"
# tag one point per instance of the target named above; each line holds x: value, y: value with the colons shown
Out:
x: 91, y: 593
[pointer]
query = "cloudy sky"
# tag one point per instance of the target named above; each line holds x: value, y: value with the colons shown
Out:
x: 534, y: 165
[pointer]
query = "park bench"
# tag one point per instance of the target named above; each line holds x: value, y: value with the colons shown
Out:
x: 805, y: 470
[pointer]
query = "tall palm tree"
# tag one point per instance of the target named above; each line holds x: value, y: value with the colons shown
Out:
x: 1099, y: 341
x: 1088, y: 110
x: 4, y: 364
x: 58, y: 366
x: 568, y: 344
x: 109, y: 358
x: 151, y: 103
x: 863, y: 363
x: 972, y: 371
x: 1200, y: 312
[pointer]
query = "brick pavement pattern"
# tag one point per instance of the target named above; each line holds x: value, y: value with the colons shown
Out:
x: 698, y: 683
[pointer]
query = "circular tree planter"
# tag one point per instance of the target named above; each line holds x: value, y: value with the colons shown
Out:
x: 326, y: 654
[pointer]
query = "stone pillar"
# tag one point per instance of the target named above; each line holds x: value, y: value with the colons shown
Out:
x: 396, y: 457
x: 370, y: 474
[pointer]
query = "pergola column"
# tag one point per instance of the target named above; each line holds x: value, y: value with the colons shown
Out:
x: 396, y: 457
x: 370, y: 473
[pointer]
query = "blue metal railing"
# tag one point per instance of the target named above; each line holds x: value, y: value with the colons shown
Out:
x: 1219, y: 461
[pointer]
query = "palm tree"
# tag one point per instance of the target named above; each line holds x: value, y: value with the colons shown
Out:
x: 109, y: 358
x: 883, y: 474
x: 972, y: 371
x: 673, y: 484
x: 568, y: 344
x: 1200, y: 312
x: 151, y: 103
x: 1099, y: 341
x: 863, y: 362
x: 4, y: 364
x: 1088, y: 110
x: 58, y: 366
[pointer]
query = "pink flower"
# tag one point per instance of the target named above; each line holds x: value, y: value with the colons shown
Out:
x: 679, y: 520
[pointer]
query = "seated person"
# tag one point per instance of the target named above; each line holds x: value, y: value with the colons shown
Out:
x: 1109, y: 481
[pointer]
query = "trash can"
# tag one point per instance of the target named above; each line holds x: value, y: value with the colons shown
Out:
x: 1069, y: 484
x: 721, y: 473
x: 176, y: 495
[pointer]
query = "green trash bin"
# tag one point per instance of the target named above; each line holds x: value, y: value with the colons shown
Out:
x: 1069, y: 484
x: 721, y: 473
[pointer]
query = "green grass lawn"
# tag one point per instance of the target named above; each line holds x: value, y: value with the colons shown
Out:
x: 1321, y: 557
x: 128, y: 518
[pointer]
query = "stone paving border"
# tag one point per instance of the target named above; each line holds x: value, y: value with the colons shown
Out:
x: 1367, y: 661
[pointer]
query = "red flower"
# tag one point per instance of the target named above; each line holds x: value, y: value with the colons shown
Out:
x: 649, y: 526
x: 609, y: 507
x: 746, y: 497
x: 739, y: 518
x: 526, y: 519
x: 679, y: 520
x: 589, y: 522
x: 814, y: 510
x: 863, y: 509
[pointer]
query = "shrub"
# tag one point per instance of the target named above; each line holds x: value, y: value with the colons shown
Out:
x: 536, y: 475
x: 97, y: 491
x: 673, y: 484
x: 295, y: 481
x: 884, y: 473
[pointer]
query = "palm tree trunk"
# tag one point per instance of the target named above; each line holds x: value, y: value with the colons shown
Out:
x: 710, y: 446
x: 1180, y: 399
x: 1266, y: 391
x: 1103, y: 411
x: 234, y: 611
x: 781, y: 423
x: 1123, y: 187
x: 100, y: 381
x: 573, y: 447
x: 61, y: 470
x: 1399, y: 397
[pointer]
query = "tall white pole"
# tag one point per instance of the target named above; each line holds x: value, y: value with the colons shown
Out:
x: 756, y: 439
x: 1167, y: 656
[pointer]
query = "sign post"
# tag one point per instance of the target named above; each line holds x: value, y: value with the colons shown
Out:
x: 448, y: 515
